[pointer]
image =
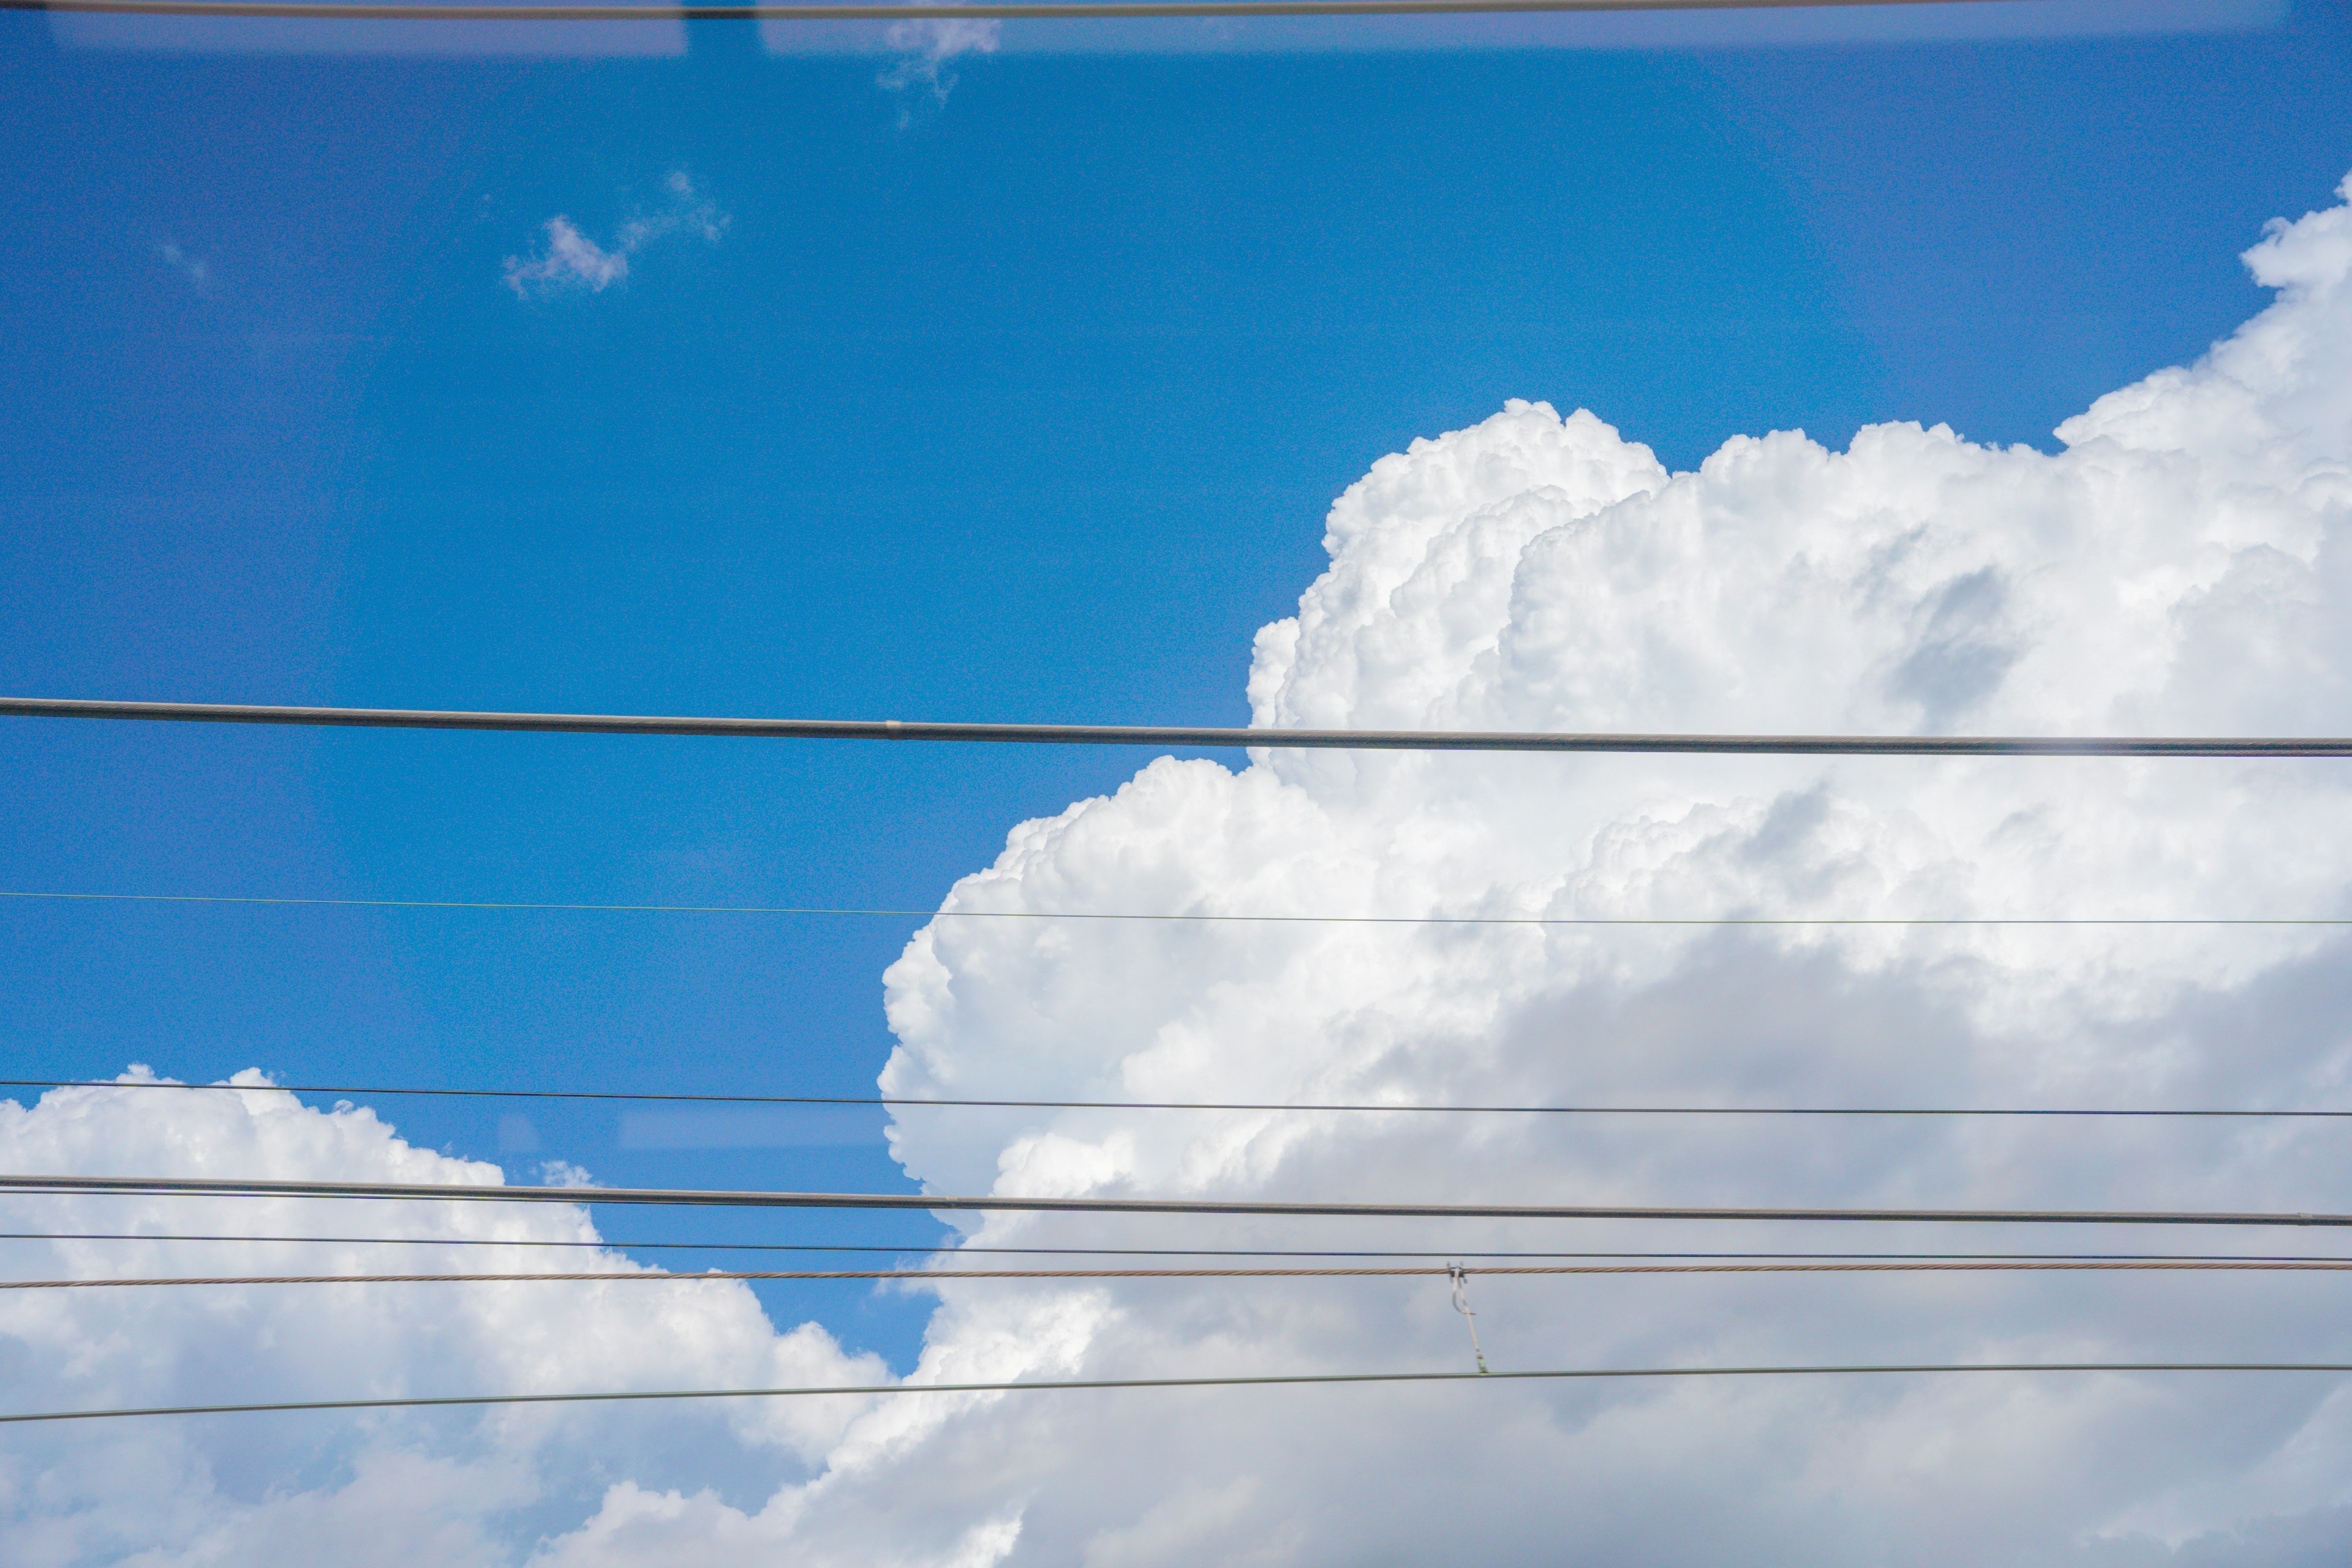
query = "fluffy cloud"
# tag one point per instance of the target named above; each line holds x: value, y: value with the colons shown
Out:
x: 2180, y: 566
x: 441, y: 1487
x: 571, y: 260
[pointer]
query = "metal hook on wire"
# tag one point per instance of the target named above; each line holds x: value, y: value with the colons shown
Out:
x: 1461, y: 1278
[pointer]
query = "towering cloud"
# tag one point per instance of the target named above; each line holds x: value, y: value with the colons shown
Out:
x: 2179, y: 567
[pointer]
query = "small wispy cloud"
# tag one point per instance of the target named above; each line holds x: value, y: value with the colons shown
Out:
x: 570, y: 261
x: 563, y: 1173
x: 197, y: 270
x: 927, y: 47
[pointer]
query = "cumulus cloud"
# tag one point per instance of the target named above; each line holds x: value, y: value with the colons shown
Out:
x: 455, y: 1490
x: 569, y: 260
x: 2180, y: 567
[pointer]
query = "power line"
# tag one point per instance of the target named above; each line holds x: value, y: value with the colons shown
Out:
x: 2041, y: 1266
x: 891, y: 12
x: 203, y: 1186
x: 1202, y: 737
x: 1286, y: 1379
x: 1456, y: 1253
x: 1202, y: 918
x: 892, y: 1102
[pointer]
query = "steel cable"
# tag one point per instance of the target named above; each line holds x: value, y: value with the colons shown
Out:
x: 1191, y: 917
x: 1201, y: 737
x: 659, y: 1097
x: 685, y: 1197
x: 918, y: 1275
x: 1272, y: 1381
x: 947, y: 1248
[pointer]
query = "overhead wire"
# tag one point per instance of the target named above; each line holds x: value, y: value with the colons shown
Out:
x: 1194, y: 916
x: 1202, y: 737
x: 894, y: 1101
x: 897, y: 1100
x: 924, y: 1276
x: 1269, y: 1381
x: 1006, y: 1202
x: 947, y: 1249
x: 886, y: 10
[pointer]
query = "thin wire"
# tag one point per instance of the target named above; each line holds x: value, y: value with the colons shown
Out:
x: 1154, y: 1251
x: 888, y: 1101
x: 451, y: 1192
x: 1293, y: 1379
x: 888, y: 11
x: 1202, y: 737
x: 930, y: 914
x: 925, y: 1274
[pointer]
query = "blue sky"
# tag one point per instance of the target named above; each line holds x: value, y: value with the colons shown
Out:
x: 1023, y: 405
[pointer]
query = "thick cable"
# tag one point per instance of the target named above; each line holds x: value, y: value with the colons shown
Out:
x: 894, y: 1101
x: 1275, y: 1381
x: 1204, y: 737
x: 1422, y: 1271
x: 994, y: 1203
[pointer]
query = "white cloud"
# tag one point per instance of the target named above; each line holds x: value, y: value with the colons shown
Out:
x: 2181, y: 566
x: 194, y: 268
x: 447, y: 1487
x: 925, y: 47
x: 563, y: 1173
x: 2178, y: 568
x: 570, y: 261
